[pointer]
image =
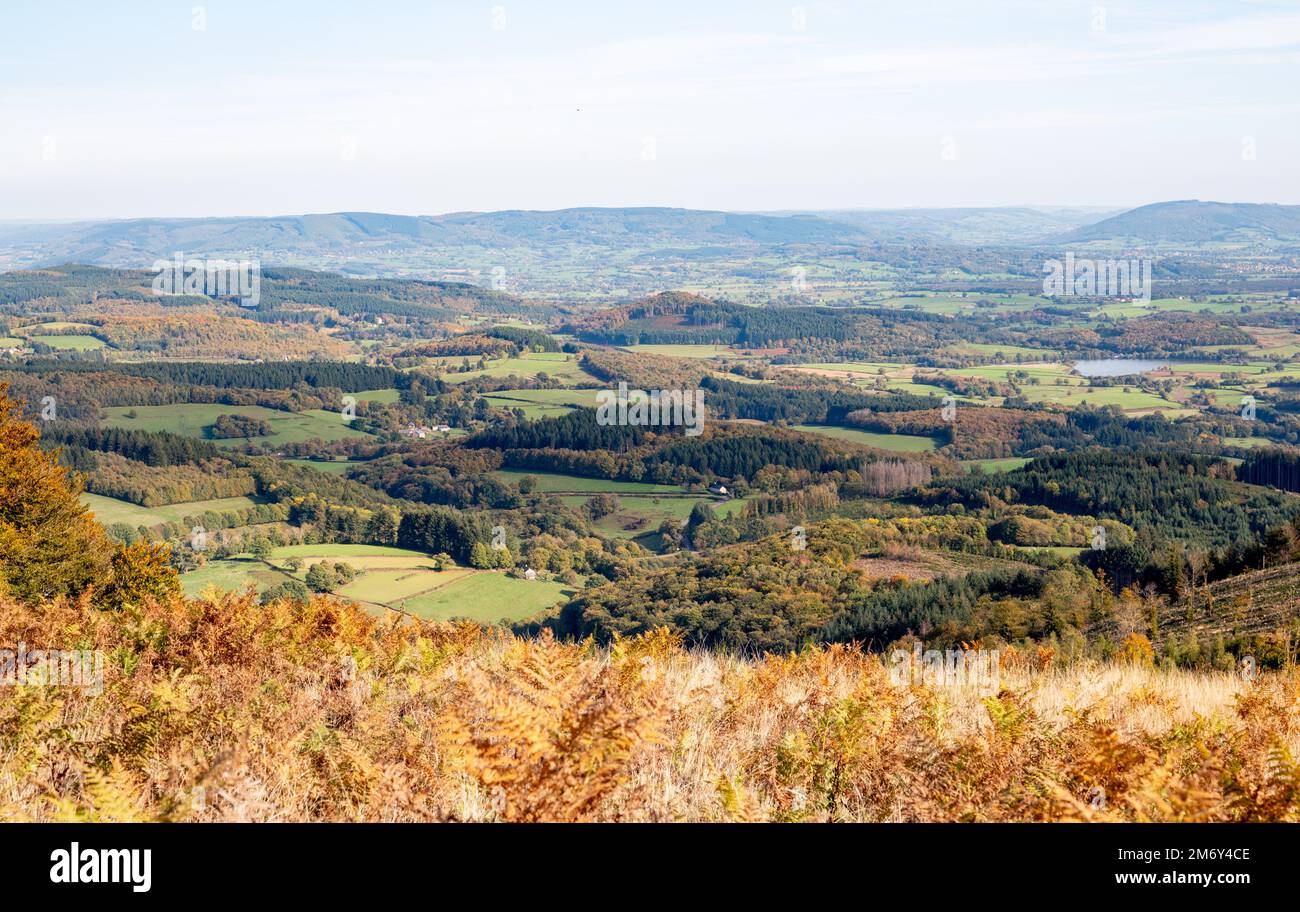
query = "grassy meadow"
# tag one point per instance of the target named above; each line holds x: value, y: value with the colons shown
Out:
x: 560, y: 365
x: 390, y: 578
x: 194, y: 419
x: 70, y: 342
x: 109, y: 510
x: 901, y: 443
x: 553, y: 482
x: 488, y: 597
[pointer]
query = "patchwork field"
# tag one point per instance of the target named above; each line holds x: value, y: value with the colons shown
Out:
x: 1054, y: 383
x: 543, y: 403
x: 584, y: 398
x: 389, y: 586
x: 194, y: 419
x: 639, y: 515
x: 391, y: 578
x: 552, y: 482
x: 902, y: 443
x: 1247, y: 442
x: 531, y: 411
x: 488, y: 597
x: 109, y: 510
x: 231, y: 575
x: 917, y: 389
x: 73, y: 343
x: 1006, y: 464
x: 560, y: 365
x: 1130, y: 399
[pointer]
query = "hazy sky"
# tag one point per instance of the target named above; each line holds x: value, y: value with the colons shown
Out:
x: 259, y: 108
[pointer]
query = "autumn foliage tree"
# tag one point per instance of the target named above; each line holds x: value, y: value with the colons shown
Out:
x: 50, y: 545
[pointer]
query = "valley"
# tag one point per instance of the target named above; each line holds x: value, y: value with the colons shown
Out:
x: 913, y: 450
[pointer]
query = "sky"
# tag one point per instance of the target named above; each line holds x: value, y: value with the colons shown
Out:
x: 136, y: 109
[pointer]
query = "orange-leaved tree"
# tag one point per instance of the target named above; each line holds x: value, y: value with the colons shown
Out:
x: 50, y: 545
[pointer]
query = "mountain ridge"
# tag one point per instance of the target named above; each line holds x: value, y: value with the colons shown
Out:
x: 1194, y: 222
x: 375, y: 242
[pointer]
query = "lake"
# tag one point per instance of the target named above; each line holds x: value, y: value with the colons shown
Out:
x: 1117, y: 367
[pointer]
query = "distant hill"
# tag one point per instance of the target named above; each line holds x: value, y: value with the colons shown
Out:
x: 282, y: 289
x: 1195, y: 222
x: 573, y: 256
x: 990, y: 225
x: 375, y: 243
x: 352, y: 236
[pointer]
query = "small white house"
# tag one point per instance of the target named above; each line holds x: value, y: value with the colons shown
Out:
x: 717, y: 488
x: 530, y: 574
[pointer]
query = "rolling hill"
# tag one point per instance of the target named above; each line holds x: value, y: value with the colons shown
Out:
x: 358, y: 241
x: 1193, y: 222
x: 360, y: 235
x: 1005, y: 225
x: 621, y: 253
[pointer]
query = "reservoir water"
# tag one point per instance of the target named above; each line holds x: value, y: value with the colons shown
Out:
x: 1117, y: 367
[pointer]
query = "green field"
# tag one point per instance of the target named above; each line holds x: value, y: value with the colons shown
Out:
x: 232, y: 575
x: 544, y: 403
x: 560, y: 365
x: 1005, y: 464
x: 488, y: 598
x: 193, y: 419
x: 901, y: 443
x: 638, y: 516
x: 109, y: 510
x: 392, y: 577
x: 1129, y: 399
x: 530, y: 410
x: 917, y: 389
x: 74, y: 343
x: 550, y: 482
x: 575, y: 397
x: 1043, y: 373
x: 387, y: 575
x: 385, y: 587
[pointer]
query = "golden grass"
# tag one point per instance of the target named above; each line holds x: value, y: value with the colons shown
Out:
x: 224, y: 710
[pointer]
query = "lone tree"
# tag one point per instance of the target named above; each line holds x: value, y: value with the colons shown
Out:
x: 321, y: 578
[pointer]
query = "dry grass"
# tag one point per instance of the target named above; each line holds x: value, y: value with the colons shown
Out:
x: 226, y: 710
